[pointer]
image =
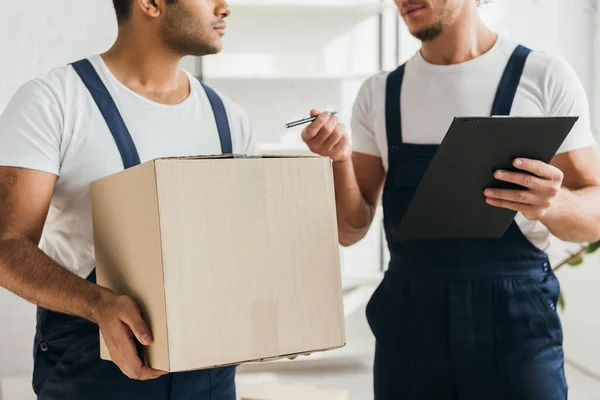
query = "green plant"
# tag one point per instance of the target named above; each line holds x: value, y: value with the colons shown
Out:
x: 575, y: 260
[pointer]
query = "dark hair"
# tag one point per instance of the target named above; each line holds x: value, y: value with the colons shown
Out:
x: 123, y: 8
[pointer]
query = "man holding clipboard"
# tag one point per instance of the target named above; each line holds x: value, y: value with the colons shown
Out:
x: 464, y: 319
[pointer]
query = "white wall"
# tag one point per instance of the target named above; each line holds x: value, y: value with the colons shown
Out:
x: 36, y: 36
x: 581, y: 321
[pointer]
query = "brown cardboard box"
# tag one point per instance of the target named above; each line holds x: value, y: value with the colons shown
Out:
x: 231, y: 260
x: 294, y: 391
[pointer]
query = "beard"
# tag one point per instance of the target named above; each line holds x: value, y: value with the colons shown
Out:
x: 184, y: 34
x: 446, y: 15
x: 429, y: 33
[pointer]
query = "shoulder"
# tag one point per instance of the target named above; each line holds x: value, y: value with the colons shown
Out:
x: 372, y: 91
x: 59, y: 81
x: 235, y: 112
x: 549, y: 70
x: 244, y: 140
x: 375, y: 86
x: 557, y: 82
x: 47, y: 94
x: 58, y: 88
x: 376, y: 83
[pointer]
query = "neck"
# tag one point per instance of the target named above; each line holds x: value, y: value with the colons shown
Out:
x: 140, y: 63
x: 464, y: 40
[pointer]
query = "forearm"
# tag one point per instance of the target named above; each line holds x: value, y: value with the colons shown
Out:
x: 354, y: 214
x: 575, y: 215
x: 29, y: 273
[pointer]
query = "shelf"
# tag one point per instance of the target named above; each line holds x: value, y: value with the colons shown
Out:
x: 365, y: 7
x: 290, y: 77
x: 299, y: 40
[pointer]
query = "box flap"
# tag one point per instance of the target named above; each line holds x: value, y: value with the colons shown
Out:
x: 237, y: 156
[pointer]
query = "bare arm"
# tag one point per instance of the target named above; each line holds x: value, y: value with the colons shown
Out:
x: 26, y: 271
x: 563, y: 195
x: 358, y: 184
x: 575, y: 214
x: 358, y: 177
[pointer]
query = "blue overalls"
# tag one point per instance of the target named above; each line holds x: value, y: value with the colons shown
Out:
x: 67, y: 364
x: 461, y: 319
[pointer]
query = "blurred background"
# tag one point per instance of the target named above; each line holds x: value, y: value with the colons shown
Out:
x: 282, y: 58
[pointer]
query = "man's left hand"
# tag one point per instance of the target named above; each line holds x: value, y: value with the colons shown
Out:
x: 541, y: 188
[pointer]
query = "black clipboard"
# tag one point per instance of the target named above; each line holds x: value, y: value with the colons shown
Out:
x: 449, y: 202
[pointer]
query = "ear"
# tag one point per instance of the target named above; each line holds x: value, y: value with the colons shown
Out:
x: 150, y: 8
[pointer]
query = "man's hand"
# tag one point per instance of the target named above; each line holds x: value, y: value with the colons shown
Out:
x: 327, y: 137
x: 121, y: 323
x: 541, y: 190
x: 294, y: 357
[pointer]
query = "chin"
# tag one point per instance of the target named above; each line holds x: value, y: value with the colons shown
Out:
x: 217, y: 48
x: 426, y: 33
x: 417, y: 26
x: 414, y: 29
x: 212, y: 50
x: 214, y: 47
x: 205, y: 49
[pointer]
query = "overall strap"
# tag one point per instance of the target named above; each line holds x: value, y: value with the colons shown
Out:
x: 393, y: 118
x: 510, y: 81
x: 109, y: 111
x: 221, y: 119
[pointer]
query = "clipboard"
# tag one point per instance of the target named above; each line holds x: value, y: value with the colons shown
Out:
x: 449, y: 202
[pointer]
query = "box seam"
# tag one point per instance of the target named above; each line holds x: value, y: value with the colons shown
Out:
x: 337, y: 254
x: 162, y: 263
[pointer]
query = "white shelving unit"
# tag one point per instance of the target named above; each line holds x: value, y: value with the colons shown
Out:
x: 278, y: 67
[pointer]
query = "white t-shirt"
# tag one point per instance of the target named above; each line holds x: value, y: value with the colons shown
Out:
x: 52, y: 124
x: 433, y: 95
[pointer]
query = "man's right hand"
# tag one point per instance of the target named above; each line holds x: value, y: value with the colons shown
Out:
x: 121, y: 323
x: 327, y: 137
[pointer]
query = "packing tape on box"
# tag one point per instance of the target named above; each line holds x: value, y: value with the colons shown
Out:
x: 265, y: 327
x: 242, y: 156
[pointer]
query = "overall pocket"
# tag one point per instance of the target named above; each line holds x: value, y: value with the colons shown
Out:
x: 384, y: 311
x: 530, y: 325
x: 50, y: 351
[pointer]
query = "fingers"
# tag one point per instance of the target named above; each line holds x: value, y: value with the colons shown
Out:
x: 327, y: 137
x: 519, y: 196
x: 540, y: 169
x: 131, y: 364
x: 328, y: 129
x: 152, y: 373
x: 121, y: 324
x: 314, y: 113
x: 530, y: 212
x: 528, y: 181
x: 342, y: 150
x: 296, y: 356
x: 315, y: 129
x: 132, y: 317
x: 338, y: 134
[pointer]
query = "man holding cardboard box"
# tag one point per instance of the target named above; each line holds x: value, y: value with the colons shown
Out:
x: 467, y: 318
x: 77, y: 124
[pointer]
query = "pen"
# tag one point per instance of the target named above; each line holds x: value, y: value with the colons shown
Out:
x: 303, y: 121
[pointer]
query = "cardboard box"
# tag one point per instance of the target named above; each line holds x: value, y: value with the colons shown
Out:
x: 231, y: 260
x: 294, y: 391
